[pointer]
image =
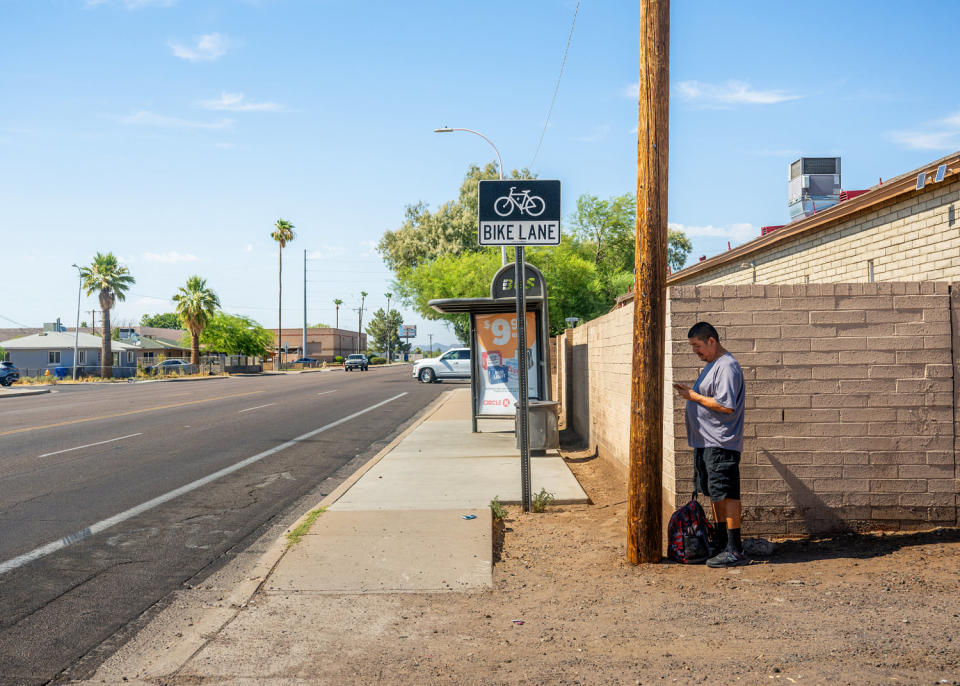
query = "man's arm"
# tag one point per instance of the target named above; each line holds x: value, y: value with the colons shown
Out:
x: 689, y: 394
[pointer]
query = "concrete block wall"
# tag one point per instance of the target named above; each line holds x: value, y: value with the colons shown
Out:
x: 850, y: 402
x: 597, y: 380
x: 853, y: 415
x: 916, y: 239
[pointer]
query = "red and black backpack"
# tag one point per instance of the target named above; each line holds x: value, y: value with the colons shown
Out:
x: 691, y: 538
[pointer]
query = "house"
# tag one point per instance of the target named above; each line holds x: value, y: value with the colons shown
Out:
x: 153, y: 349
x: 39, y: 352
x: 322, y: 343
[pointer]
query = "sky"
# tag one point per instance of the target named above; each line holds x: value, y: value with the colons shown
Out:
x: 174, y: 133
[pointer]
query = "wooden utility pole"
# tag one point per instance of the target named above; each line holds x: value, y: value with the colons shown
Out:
x: 644, y: 499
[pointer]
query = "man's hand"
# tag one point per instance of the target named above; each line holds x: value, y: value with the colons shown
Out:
x: 684, y: 392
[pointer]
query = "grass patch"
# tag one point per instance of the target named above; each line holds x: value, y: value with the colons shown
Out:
x: 303, y: 528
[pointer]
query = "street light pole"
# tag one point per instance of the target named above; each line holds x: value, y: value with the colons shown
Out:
x: 76, y: 334
x: 446, y: 129
x: 430, y: 335
x: 389, y: 332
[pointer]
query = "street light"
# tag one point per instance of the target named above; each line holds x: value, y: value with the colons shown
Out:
x: 76, y: 333
x: 389, y: 332
x: 447, y: 129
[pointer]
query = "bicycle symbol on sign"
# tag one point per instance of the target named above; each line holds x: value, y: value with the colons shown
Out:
x: 522, y: 201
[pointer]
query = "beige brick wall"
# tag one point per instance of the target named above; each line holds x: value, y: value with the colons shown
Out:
x: 916, y: 239
x: 853, y: 418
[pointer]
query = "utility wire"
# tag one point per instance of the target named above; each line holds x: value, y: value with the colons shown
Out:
x: 23, y: 326
x: 557, y: 87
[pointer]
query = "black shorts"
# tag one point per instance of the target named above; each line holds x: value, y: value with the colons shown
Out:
x: 716, y: 473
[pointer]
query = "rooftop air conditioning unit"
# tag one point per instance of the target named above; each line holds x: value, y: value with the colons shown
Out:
x: 814, y: 185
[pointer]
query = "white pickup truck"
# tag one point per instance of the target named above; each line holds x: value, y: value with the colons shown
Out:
x: 453, y: 364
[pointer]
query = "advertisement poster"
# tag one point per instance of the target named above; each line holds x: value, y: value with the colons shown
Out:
x: 498, y: 378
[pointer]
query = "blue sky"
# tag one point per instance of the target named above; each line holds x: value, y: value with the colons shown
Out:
x: 175, y: 132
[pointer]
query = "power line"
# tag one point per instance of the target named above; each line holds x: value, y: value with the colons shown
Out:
x: 557, y: 87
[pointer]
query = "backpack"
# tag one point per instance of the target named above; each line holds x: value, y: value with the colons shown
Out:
x: 691, y: 539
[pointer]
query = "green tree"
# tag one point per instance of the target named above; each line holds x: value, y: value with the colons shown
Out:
x: 111, y: 281
x: 167, y: 320
x: 451, y: 229
x: 678, y: 248
x: 196, y: 304
x: 235, y: 334
x: 282, y: 233
x: 609, y: 227
x: 337, y: 302
x: 320, y: 325
x: 382, y: 328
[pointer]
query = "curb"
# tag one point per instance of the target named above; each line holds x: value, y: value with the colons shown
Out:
x: 206, y: 627
x: 23, y: 392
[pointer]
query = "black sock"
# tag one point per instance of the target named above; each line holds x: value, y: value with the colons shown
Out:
x: 734, y: 543
x: 721, y: 529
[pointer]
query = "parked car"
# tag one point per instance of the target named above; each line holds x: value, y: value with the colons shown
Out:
x: 453, y: 364
x: 306, y: 361
x: 356, y: 361
x: 171, y: 367
x: 9, y: 374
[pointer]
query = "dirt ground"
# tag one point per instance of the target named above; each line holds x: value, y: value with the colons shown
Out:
x: 567, y: 609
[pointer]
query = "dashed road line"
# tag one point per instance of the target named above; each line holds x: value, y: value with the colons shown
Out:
x: 90, y: 445
x: 125, y: 414
x: 104, y: 524
x: 326, y: 392
x: 251, y: 409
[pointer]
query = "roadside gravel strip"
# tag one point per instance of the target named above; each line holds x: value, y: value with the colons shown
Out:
x: 105, y: 524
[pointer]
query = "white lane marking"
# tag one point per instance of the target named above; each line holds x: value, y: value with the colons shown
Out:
x: 325, y: 392
x: 104, y: 524
x: 250, y: 409
x: 89, y: 445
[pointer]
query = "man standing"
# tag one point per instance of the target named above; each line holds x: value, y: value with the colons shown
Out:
x: 715, y: 432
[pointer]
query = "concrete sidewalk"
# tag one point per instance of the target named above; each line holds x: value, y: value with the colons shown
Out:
x: 397, y: 526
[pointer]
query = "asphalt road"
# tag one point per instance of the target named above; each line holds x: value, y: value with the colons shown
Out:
x: 72, y: 461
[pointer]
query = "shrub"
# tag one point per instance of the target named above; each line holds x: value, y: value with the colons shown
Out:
x: 542, y: 500
x: 338, y: 359
x: 497, y: 508
x: 378, y: 360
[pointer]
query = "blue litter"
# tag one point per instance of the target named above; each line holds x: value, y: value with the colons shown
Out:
x: 469, y: 516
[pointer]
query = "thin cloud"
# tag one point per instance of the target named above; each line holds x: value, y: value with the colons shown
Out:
x: 730, y: 93
x: 326, y: 252
x: 205, y: 48
x: 132, y: 4
x: 595, y: 135
x: 739, y: 232
x: 171, y: 257
x: 235, y: 102
x: 942, y: 134
x: 147, y: 301
x: 148, y: 118
x: 249, y: 248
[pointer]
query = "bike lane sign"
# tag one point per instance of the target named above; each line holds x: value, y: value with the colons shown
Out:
x: 519, y: 212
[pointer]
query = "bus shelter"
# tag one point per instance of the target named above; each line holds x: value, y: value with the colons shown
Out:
x: 494, y: 376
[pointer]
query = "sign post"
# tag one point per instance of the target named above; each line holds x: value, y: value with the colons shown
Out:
x: 520, y: 212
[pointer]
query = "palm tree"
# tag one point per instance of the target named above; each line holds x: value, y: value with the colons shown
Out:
x: 112, y: 280
x: 196, y: 305
x: 338, y: 302
x: 282, y: 234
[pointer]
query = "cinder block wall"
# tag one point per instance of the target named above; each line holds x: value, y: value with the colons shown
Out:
x: 853, y: 419
x: 598, y: 396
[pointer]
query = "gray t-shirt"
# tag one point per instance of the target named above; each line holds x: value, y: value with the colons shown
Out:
x: 721, y: 380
